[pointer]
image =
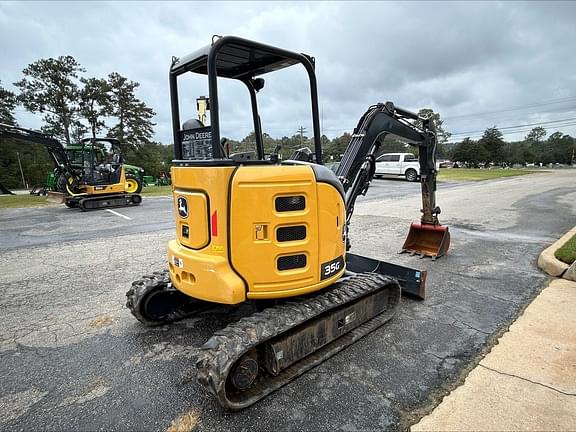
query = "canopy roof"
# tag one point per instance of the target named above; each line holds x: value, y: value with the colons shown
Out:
x: 238, y: 58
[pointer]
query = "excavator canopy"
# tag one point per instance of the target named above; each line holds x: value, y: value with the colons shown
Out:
x: 236, y: 58
x: 246, y: 61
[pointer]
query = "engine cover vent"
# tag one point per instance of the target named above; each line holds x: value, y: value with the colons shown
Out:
x: 290, y: 203
x: 290, y: 262
x: 291, y: 233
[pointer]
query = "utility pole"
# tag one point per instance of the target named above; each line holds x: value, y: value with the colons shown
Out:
x: 21, y: 172
x: 301, y: 131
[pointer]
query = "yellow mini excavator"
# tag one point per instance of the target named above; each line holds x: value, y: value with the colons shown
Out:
x: 250, y: 227
x: 98, y: 180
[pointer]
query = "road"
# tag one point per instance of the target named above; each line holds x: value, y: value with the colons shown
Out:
x: 73, y: 358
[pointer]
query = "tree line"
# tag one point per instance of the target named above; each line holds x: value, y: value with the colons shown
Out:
x: 535, y: 149
x: 332, y: 149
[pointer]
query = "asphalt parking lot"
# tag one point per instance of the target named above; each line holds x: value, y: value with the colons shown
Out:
x: 73, y: 358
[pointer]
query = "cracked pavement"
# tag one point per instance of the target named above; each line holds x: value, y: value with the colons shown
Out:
x: 72, y: 357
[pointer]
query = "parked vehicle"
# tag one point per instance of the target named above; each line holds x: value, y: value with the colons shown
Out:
x: 99, y: 179
x: 401, y: 164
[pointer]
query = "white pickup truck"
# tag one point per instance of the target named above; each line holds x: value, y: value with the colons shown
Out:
x: 401, y: 164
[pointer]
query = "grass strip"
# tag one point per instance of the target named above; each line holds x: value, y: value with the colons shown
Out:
x: 472, y: 174
x: 156, y: 190
x: 567, y: 253
x: 18, y: 201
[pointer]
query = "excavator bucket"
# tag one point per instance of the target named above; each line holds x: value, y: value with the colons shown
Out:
x: 427, y: 240
x: 55, y: 197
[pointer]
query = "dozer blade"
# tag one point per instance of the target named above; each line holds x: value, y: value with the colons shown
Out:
x: 55, y: 197
x: 427, y: 240
x: 412, y: 281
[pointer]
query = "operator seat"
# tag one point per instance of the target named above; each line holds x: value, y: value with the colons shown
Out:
x: 192, y: 124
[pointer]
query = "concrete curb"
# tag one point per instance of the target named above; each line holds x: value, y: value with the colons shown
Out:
x: 527, y: 381
x: 548, y: 262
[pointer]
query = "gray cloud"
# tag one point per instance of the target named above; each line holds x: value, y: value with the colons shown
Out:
x: 456, y: 58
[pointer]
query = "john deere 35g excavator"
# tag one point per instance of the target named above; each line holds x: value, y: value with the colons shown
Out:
x: 97, y: 180
x: 250, y: 227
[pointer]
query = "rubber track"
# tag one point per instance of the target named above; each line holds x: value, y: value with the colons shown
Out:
x: 156, y: 281
x: 121, y: 200
x: 217, y: 356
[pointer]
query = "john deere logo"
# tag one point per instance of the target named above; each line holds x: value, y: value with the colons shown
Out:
x: 182, y: 207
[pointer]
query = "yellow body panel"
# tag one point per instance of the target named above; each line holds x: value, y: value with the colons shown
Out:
x: 239, y: 225
x: 197, y: 225
x: 204, y: 276
x: 119, y: 187
x: 205, y: 273
x: 254, y: 190
x: 331, y: 223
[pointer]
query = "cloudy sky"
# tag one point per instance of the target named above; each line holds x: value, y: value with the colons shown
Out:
x: 478, y: 64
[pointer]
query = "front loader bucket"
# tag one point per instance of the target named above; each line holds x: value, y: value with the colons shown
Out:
x: 55, y: 197
x: 427, y: 240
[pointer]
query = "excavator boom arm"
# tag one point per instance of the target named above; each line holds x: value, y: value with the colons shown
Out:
x: 54, y: 147
x: 357, y: 167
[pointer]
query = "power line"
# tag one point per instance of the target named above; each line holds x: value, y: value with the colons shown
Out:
x: 516, y: 126
x: 301, y: 131
x: 516, y: 108
x: 512, y: 132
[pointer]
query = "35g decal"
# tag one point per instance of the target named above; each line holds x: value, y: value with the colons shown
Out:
x: 331, y: 267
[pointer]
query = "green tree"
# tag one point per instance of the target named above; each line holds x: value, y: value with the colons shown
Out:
x: 494, y: 144
x: 248, y: 143
x: 35, y: 161
x: 329, y: 152
x: 441, y: 134
x: 134, y: 126
x: 470, y: 152
x: 7, y: 105
x: 536, y: 135
x: 269, y: 143
x: 50, y: 87
x: 395, y: 146
x: 560, y: 148
x: 78, y: 131
x: 95, y: 103
x: 153, y: 157
x: 340, y: 143
x: 519, y: 153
